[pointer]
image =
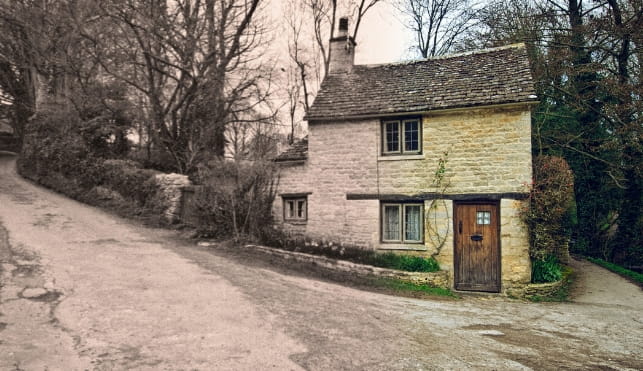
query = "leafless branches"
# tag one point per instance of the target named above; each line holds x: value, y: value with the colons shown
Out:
x: 437, y: 24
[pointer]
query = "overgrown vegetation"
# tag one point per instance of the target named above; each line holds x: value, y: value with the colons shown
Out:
x: 586, y: 61
x: 549, y: 204
x: 636, y: 277
x: 235, y: 199
x: 60, y: 151
x: 407, y: 263
x: 547, y: 270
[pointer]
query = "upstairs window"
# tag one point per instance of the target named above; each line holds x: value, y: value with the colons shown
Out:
x: 295, y: 209
x: 401, y: 136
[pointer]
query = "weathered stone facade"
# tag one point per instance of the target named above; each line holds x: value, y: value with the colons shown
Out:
x: 345, y: 178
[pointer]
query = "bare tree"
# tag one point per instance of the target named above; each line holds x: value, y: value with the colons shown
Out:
x: 310, y: 25
x: 437, y: 24
x: 195, y: 61
x: 32, y: 43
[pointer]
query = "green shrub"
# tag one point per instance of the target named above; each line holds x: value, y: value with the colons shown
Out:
x: 235, y: 199
x: 550, y: 199
x: 56, y: 154
x: 547, y: 270
x: 407, y: 263
x: 130, y: 180
x: 53, y: 145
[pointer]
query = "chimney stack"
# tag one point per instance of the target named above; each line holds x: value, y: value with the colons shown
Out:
x: 342, y: 50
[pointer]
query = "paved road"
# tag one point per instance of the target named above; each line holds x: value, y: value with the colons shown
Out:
x: 82, y: 289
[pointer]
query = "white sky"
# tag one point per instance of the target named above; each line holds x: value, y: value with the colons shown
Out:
x: 382, y: 38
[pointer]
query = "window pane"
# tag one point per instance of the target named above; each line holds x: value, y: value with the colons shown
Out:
x: 391, y: 223
x: 290, y: 211
x: 411, y: 136
x: 412, y: 224
x: 301, y: 209
x: 392, y: 137
x: 483, y: 217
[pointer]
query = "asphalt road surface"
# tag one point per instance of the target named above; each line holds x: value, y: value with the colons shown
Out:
x: 81, y: 289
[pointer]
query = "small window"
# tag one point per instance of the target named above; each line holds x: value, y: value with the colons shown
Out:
x: 295, y: 209
x: 483, y: 217
x: 411, y: 136
x: 392, y: 223
x: 402, y: 223
x: 401, y: 137
x: 392, y: 133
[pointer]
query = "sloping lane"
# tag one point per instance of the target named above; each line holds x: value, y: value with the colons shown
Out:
x: 116, y: 296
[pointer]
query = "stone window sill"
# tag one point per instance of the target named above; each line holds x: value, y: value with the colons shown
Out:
x: 400, y: 157
x: 407, y: 247
x: 295, y: 222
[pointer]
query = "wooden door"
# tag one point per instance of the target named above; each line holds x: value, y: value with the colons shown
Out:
x: 477, y: 246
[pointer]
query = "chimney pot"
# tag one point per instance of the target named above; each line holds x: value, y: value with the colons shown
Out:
x: 343, y: 25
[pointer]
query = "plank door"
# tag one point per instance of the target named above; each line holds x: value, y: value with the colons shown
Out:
x: 477, y: 247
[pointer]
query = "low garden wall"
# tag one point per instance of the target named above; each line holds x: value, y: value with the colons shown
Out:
x: 434, y: 279
x: 540, y: 290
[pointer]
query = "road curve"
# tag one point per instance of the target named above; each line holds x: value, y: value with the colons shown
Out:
x: 81, y: 289
x: 111, y: 296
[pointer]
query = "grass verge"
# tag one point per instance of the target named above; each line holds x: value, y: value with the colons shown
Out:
x: 412, y: 289
x: 634, y: 276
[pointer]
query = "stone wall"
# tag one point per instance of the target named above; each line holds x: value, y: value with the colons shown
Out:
x: 489, y: 152
x: 514, y: 244
x: 335, y: 166
x: 434, y: 279
x: 169, y: 194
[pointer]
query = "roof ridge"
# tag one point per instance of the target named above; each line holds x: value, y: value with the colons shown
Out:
x: 448, y: 56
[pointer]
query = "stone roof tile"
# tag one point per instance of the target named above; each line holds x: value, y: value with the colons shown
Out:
x: 487, y: 77
x: 298, y: 151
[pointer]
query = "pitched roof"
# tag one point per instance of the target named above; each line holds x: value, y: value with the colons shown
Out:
x: 491, y: 76
x: 298, y: 151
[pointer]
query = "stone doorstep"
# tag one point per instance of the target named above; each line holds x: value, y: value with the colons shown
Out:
x: 437, y: 279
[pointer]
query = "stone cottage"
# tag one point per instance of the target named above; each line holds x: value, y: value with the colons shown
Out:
x: 430, y: 157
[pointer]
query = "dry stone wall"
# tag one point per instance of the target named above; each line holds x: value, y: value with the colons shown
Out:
x: 169, y: 194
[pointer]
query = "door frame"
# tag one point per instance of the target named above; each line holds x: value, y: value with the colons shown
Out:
x: 496, y: 204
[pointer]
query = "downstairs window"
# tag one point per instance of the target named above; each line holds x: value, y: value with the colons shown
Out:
x: 402, y: 222
x: 295, y: 209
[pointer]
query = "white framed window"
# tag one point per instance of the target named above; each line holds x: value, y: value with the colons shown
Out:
x: 402, y: 137
x: 402, y: 222
x: 295, y: 209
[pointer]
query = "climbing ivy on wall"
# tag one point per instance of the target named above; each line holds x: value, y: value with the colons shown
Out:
x: 437, y: 216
